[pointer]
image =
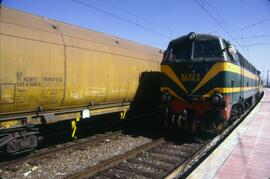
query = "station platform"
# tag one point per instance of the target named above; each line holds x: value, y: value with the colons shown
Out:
x: 245, y: 153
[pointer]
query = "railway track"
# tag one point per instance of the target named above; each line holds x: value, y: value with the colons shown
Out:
x: 53, y: 144
x: 161, y: 158
x: 164, y: 157
x: 58, y: 148
x: 152, y: 160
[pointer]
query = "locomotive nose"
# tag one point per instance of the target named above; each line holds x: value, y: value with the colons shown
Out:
x: 185, y: 80
x: 191, y: 75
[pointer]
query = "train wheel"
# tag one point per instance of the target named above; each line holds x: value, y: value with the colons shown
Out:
x: 242, y: 108
x: 167, y: 118
x: 220, y: 127
x: 180, y: 122
x: 247, y: 105
x: 20, y: 142
x: 234, y: 114
x: 239, y: 110
x: 201, y: 126
x: 212, y: 127
x: 181, y: 119
x: 216, y: 128
x: 194, y: 125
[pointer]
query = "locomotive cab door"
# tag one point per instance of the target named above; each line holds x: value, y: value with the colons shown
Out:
x: 237, y: 81
x: 242, y: 76
x: 242, y: 82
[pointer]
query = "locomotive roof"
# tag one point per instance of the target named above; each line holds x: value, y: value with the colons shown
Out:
x: 243, y: 60
x: 198, y: 36
x: 128, y: 43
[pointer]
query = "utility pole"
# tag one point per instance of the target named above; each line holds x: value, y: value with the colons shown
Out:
x: 267, y: 79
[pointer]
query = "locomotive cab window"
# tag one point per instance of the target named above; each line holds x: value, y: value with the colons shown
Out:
x: 232, y: 56
x: 178, y: 51
x: 200, y: 48
x: 207, y: 49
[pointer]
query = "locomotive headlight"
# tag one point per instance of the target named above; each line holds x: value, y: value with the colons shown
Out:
x: 216, y: 98
x: 165, y: 98
x: 192, y: 35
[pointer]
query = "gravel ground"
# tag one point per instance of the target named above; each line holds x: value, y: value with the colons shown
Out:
x: 67, y: 162
x: 155, y: 162
x: 142, y: 167
x: 121, y: 174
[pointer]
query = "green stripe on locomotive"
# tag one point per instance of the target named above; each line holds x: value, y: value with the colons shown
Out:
x: 231, y: 82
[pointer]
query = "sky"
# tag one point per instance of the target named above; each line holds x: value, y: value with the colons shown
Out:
x: 245, y: 23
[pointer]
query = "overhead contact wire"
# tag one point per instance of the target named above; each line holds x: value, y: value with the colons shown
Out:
x: 121, y: 18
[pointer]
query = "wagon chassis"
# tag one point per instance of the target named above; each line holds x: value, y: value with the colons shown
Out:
x: 23, y: 135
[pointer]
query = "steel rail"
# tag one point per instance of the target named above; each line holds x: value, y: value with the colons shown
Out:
x: 115, y: 160
x: 58, y: 148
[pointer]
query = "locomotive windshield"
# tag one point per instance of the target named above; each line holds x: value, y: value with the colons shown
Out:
x: 207, y: 49
x: 179, y: 51
x: 192, y: 50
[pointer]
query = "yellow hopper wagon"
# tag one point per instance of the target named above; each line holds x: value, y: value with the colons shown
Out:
x: 52, y: 71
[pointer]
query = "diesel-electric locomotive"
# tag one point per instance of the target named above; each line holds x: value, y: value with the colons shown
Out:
x: 206, y: 81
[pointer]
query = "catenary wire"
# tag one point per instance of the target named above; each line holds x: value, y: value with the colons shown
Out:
x: 121, y: 18
x: 219, y: 24
x: 138, y: 18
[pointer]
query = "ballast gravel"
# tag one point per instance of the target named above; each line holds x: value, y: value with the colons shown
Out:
x: 62, y: 164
